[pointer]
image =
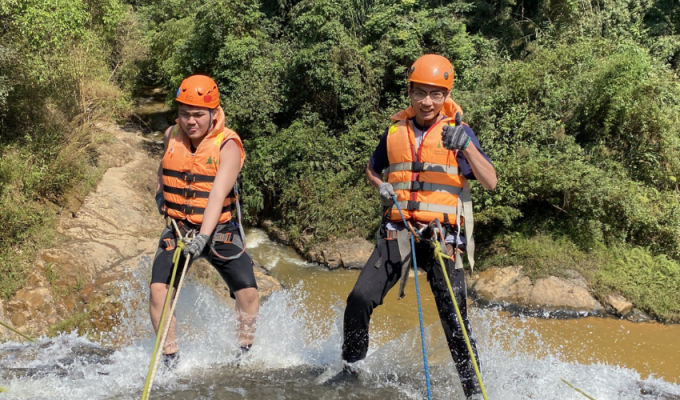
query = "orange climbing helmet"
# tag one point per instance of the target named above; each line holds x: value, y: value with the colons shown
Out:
x: 200, y: 91
x: 432, y: 69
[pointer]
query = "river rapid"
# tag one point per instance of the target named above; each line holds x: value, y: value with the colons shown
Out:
x: 298, y: 340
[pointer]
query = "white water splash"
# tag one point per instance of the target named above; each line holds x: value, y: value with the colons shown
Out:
x: 291, y: 338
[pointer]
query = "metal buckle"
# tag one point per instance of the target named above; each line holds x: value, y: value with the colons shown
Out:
x: 417, y: 166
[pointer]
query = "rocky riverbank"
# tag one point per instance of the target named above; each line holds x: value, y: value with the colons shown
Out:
x: 113, y: 235
x: 504, y: 288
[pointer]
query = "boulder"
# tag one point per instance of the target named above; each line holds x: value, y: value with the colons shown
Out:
x: 619, y: 304
x: 510, y: 289
x: 33, y: 309
x: 4, y: 332
x: 266, y: 285
x: 354, y: 252
x: 637, y: 315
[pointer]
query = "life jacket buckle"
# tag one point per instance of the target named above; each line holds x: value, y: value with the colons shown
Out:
x: 416, y: 185
x: 412, y: 205
x: 189, y: 177
x: 189, y: 192
x: 187, y: 209
x: 417, y: 166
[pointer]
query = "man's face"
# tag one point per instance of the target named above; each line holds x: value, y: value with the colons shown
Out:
x: 427, y: 100
x: 195, y: 121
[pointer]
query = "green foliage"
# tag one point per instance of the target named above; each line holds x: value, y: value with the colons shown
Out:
x: 652, y: 283
x: 59, y: 65
x: 575, y: 101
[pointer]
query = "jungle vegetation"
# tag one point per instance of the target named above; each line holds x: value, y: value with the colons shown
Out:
x: 575, y: 101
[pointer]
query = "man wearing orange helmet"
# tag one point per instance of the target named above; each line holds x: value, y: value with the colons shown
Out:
x: 196, y: 182
x: 425, y: 161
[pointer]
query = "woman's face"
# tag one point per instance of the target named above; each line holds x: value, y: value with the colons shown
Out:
x: 195, y: 121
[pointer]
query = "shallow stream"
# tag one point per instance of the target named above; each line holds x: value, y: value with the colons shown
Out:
x: 298, y: 343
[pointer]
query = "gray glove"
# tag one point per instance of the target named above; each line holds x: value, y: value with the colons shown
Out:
x: 386, y: 193
x: 197, y: 245
x: 454, y: 137
x: 160, y: 202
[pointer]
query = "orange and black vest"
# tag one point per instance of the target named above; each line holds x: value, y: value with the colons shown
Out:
x: 427, y: 180
x: 188, y: 177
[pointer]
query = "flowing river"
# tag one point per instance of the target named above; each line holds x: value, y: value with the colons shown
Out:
x: 298, y: 341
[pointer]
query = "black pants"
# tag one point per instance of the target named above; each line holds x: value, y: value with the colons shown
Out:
x: 237, y: 273
x: 374, y: 283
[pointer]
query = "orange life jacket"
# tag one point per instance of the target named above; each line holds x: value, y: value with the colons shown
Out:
x: 427, y: 180
x: 188, y: 178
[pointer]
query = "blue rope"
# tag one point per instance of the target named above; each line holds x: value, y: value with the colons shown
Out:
x: 420, y: 309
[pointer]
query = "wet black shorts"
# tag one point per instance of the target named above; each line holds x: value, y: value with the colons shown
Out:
x: 226, y: 241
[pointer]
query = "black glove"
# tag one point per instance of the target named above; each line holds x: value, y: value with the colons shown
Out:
x: 195, y: 248
x: 160, y: 203
x: 454, y: 137
x: 386, y: 193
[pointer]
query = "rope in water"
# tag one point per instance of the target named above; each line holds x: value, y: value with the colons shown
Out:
x: 420, y: 310
x: 11, y: 328
x: 164, y: 326
x: 578, y: 390
x: 3, y: 390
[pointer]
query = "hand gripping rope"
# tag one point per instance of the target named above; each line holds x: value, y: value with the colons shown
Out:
x: 440, y: 255
x: 164, y: 326
x: 420, y: 310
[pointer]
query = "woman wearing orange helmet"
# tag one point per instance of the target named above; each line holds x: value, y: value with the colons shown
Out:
x: 196, y: 182
x: 425, y: 161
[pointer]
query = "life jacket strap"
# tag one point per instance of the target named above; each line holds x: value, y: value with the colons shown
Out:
x: 416, y: 166
x: 428, y: 187
x: 187, y: 176
x: 187, y: 209
x: 420, y: 206
x: 186, y: 192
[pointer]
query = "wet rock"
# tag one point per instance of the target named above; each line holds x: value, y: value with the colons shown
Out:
x: 4, y: 332
x: 551, y: 296
x: 348, y: 253
x: 109, y: 228
x: 276, y: 234
x: 31, y: 307
x: 637, y: 315
x: 331, y: 258
x: 354, y: 252
x: 266, y: 285
x: 619, y: 304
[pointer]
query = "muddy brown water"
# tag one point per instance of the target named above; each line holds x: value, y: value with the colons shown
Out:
x: 649, y: 348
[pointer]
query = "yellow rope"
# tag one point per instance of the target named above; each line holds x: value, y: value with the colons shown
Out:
x: 3, y: 390
x: 155, y: 356
x: 441, y: 256
x: 578, y: 390
x: 30, y: 339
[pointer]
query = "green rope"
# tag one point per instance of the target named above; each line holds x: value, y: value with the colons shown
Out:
x: 578, y: 390
x: 30, y: 339
x: 441, y: 256
x: 154, y: 357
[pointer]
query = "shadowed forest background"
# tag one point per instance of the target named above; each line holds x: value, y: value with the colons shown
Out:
x: 576, y: 102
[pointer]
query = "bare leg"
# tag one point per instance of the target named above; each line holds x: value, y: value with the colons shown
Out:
x: 247, y: 306
x: 156, y: 301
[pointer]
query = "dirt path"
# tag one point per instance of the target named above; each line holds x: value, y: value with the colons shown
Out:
x: 113, y: 234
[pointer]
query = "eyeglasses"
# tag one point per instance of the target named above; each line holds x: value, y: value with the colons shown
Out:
x: 437, y: 96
